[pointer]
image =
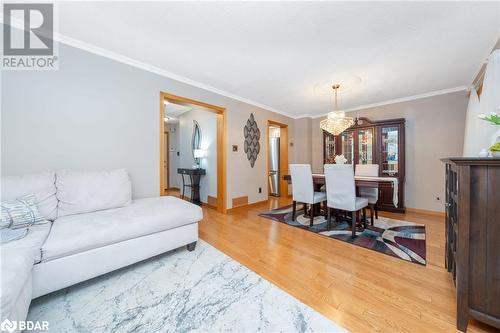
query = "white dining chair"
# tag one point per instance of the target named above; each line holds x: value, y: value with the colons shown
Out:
x: 371, y: 193
x: 303, y: 189
x: 341, y: 192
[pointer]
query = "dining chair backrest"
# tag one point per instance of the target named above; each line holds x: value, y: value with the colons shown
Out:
x: 370, y: 170
x: 302, y: 183
x: 340, y: 186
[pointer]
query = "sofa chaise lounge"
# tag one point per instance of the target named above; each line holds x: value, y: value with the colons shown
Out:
x: 93, y: 228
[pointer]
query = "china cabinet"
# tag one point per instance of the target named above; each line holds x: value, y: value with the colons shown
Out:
x: 373, y: 142
x: 347, y: 138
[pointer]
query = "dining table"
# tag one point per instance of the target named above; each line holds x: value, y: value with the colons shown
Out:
x: 361, y: 181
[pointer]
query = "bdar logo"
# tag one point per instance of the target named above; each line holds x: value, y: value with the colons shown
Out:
x: 7, y: 325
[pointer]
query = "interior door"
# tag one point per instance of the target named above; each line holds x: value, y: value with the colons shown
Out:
x: 166, y: 156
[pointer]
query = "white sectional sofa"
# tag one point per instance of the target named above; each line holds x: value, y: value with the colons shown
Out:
x: 94, y: 227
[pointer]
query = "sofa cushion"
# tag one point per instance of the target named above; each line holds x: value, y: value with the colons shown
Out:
x: 85, y: 192
x: 20, y: 213
x: 9, y: 235
x: 16, y: 274
x: 19, y: 310
x: 42, y: 185
x: 83, y: 232
x: 33, y: 241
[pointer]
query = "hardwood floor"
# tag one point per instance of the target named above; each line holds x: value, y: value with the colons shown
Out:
x: 361, y: 290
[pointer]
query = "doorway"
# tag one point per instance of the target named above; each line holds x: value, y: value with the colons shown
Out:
x: 220, y: 144
x: 277, y: 158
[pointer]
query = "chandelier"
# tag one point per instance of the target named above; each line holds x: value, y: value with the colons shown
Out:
x: 336, y: 122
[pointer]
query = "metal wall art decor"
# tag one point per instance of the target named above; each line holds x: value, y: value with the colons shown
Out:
x: 196, y: 138
x: 252, y: 137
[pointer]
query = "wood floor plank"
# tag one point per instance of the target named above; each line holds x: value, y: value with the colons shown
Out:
x: 360, y: 289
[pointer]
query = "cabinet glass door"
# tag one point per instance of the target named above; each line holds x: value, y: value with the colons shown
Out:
x: 329, y: 144
x: 365, y: 146
x: 389, y: 151
x: 348, y: 146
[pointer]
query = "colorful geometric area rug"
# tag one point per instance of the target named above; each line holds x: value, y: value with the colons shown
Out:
x: 401, y: 239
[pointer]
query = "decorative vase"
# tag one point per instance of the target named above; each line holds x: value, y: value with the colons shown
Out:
x: 483, y: 153
x: 495, y: 153
x: 340, y: 159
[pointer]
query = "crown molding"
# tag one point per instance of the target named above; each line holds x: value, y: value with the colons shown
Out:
x: 397, y: 100
x: 156, y: 70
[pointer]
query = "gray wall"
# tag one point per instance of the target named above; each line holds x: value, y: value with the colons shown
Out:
x: 95, y: 113
x: 434, y: 129
x: 302, y: 140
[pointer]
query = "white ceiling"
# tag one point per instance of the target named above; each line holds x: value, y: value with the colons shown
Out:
x: 275, y: 54
x: 175, y: 110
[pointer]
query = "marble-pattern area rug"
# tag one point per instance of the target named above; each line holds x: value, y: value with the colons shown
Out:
x: 180, y: 291
x: 401, y: 239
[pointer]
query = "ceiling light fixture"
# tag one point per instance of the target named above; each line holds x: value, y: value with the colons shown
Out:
x: 336, y: 122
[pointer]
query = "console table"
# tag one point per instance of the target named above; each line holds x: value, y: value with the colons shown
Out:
x: 473, y: 237
x: 194, y: 183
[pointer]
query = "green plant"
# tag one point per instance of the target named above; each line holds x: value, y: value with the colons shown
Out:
x: 493, y: 118
x: 495, y: 147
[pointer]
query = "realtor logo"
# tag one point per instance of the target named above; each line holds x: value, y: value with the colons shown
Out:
x: 28, y: 36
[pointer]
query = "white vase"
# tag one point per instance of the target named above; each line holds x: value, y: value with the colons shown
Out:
x: 483, y: 153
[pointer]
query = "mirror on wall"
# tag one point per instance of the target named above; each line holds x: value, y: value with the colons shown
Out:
x: 196, y: 138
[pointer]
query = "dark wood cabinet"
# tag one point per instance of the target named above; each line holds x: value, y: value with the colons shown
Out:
x: 473, y: 237
x: 373, y: 142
